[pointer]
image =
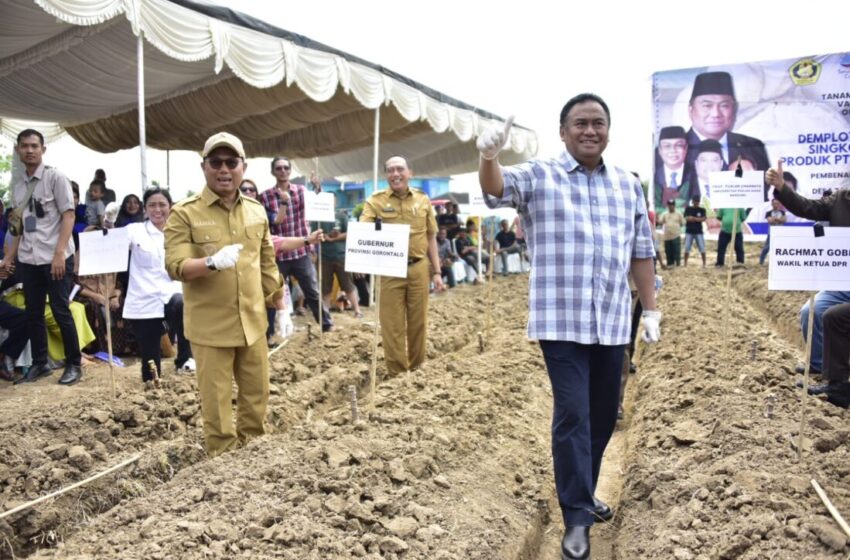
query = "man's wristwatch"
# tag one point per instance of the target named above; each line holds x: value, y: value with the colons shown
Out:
x: 306, y: 241
x: 210, y: 264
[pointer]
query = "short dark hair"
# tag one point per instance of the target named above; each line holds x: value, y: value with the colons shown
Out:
x: 406, y: 163
x: 156, y: 190
x: 75, y: 188
x: 100, y: 174
x: 584, y: 98
x: 29, y: 132
x: 98, y: 183
x: 279, y: 158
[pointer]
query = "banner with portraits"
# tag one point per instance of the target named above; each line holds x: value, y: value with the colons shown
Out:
x: 713, y: 119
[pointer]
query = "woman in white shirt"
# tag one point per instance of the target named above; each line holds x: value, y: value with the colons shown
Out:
x: 154, y: 303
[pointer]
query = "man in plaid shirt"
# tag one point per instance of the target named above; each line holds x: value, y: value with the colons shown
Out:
x: 586, y: 226
x: 284, y: 205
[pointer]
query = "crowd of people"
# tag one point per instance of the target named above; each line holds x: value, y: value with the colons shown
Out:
x: 211, y: 274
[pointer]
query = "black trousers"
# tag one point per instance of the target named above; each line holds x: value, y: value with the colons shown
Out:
x: 304, y: 271
x: 585, y: 389
x: 836, y: 342
x: 723, y: 240
x: 149, y: 332
x: 15, y: 321
x: 38, y: 286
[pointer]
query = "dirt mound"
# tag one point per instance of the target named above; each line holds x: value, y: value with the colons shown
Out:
x: 712, y: 467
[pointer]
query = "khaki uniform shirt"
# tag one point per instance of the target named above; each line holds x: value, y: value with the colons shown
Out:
x: 414, y: 209
x: 225, y: 308
x: 54, y: 192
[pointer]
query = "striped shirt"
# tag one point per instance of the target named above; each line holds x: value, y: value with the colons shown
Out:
x: 295, y: 224
x: 582, y: 233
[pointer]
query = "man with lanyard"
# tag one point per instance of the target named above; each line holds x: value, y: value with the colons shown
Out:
x: 587, y: 227
x: 45, y: 255
x: 404, y: 301
x: 284, y: 204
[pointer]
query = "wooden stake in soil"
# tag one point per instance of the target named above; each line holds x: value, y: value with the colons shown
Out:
x: 831, y: 508
x: 352, y: 395
x: 109, y: 334
x: 372, y: 384
x: 806, y: 376
x: 490, y: 274
x: 278, y: 347
x: 37, y: 501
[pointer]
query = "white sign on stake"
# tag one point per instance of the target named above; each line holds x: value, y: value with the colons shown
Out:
x: 477, y: 206
x: 319, y: 207
x: 383, y: 253
x: 728, y: 191
x: 104, y: 251
x: 799, y: 261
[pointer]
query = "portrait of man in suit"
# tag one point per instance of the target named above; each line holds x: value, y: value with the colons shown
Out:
x: 713, y: 109
x: 672, y: 175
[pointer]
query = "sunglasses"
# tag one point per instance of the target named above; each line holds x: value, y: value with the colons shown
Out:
x: 282, y: 168
x: 248, y: 189
x: 231, y: 163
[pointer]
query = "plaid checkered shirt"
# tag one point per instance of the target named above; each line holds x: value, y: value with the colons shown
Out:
x: 582, y: 232
x: 295, y: 224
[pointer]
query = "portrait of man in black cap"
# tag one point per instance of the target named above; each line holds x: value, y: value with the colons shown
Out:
x: 672, y: 174
x: 712, y: 110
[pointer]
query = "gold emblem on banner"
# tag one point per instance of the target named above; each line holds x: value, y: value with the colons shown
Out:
x: 805, y: 71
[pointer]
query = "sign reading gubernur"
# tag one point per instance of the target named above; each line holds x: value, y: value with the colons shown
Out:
x: 382, y: 252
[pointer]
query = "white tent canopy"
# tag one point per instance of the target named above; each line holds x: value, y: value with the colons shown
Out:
x: 208, y: 68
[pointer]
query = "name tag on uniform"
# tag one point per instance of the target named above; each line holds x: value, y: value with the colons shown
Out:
x: 388, y: 209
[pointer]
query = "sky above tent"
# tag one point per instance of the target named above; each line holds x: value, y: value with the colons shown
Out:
x: 526, y: 58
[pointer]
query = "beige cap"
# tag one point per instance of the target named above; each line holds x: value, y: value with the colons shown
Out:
x: 220, y: 139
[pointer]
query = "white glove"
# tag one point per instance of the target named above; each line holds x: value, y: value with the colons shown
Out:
x: 285, y: 328
x: 492, y: 140
x: 111, y: 212
x: 651, y: 328
x: 227, y: 256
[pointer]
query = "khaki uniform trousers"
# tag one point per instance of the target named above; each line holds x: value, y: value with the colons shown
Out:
x: 217, y: 368
x: 404, y: 317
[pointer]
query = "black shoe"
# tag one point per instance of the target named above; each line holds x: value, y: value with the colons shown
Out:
x: 632, y: 367
x: 602, y: 511
x: 814, y: 388
x: 36, y: 372
x: 72, y: 375
x: 800, y: 370
x: 327, y: 328
x: 838, y: 393
x: 576, y: 543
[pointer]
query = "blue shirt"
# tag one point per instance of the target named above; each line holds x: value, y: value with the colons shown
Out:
x: 582, y: 233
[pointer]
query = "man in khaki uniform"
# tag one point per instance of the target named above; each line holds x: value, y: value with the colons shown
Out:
x: 218, y: 244
x: 404, y: 301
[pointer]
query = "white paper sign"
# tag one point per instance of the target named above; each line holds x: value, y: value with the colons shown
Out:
x: 728, y: 191
x: 799, y: 261
x: 102, y: 254
x: 477, y: 207
x: 319, y: 207
x: 377, y: 252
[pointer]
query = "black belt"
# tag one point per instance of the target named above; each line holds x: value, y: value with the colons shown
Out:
x: 411, y: 262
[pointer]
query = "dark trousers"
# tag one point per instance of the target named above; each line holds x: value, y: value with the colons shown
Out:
x: 723, y: 240
x: 39, y: 285
x: 836, y: 343
x: 303, y: 270
x: 449, y: 273
x: 585, y: 387
x: 15, y: 321
x: 472, y: 260
x: 149, y: 333
x: 361, y: 281
x: 673, y: 250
